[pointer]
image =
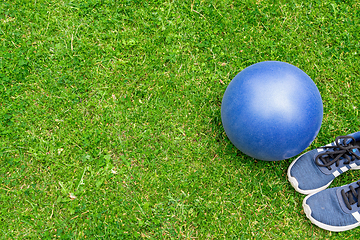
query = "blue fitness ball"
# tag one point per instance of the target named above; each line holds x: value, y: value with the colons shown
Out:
x: 272, y: 111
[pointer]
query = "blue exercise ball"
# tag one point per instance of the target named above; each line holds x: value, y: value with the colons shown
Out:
x: 272, y: 111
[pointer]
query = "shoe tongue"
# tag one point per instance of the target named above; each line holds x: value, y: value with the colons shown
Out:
x: 348, y: 140
x: 352, y: 198
x: 348, y: 196
x: 356, y: 151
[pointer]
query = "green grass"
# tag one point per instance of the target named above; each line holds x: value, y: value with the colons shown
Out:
x: 110, y: 121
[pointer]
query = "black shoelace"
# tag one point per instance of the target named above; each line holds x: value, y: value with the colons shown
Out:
x: 352, y: 196
x: 342, y: 150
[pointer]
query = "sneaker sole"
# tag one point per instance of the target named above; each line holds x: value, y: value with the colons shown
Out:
x: 307, y: 211
x: 295, y: 183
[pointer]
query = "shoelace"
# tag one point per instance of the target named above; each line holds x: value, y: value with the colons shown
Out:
x: 342, y: 150
x: 352, y: 196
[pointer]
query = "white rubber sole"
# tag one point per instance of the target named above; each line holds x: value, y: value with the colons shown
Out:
x: 295, y: 183
x: 307, y: 211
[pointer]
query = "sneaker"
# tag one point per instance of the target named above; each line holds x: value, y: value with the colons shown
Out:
x: 335, y: 209
x: 314, y: 171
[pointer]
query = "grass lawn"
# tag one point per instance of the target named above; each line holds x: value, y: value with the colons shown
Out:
x: 110, y: 122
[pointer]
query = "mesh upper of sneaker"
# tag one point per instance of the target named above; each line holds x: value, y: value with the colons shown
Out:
x: 326, y: 208
x: 308, y: 174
